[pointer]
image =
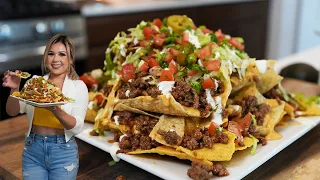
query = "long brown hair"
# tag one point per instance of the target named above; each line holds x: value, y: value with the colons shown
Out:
x: 68, y: 43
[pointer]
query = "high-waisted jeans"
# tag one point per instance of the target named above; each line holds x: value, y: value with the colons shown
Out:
x: 49, y: 157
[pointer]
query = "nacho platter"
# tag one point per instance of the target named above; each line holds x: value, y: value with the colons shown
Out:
x: 241, y: 164
x: 193, y: 93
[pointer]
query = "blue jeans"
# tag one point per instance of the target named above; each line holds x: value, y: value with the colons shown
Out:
x: 49, y: 157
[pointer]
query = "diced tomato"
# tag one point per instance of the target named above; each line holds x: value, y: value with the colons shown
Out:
x: 173, y: 66
x: 212, y: 128
x: 244, y: 122
x: 158, y: 41
x: 235, y: 128
x: 144, y: 43
x: 219, y: 35
x: 235, y: 43
x: 99, y: 98
x: 163, y: 35
x: 147, y: 32
x: 206, y: 30
x: 157, y: 22
x: 153, y: 62
x: 168, y: 57
x: 127, y: 72
x: 185, y: 38
x: 154, y: 32
x: 166, y: 75
x: 205, y: 52
x: 208, y: 83
x: 174, y: 52
x: 194, y: 27
x: 212, y: 65
x: 144, y: 67
x: 192, y: 72
x: 88, y: 80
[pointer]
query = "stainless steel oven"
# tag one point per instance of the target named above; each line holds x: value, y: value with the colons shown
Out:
x: 25, y: 28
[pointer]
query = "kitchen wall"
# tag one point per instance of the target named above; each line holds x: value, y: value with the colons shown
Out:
x: 294, y: 26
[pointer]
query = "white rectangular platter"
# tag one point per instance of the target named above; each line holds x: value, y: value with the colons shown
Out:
x: 242, y: 162
x: 35, y: 104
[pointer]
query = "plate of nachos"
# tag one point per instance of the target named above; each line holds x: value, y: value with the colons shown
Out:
x: 39, y: 92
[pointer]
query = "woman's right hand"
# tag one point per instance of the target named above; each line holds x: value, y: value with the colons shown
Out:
x: 10, y: 80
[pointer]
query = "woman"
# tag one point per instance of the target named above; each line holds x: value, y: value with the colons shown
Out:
x: 50, y: 149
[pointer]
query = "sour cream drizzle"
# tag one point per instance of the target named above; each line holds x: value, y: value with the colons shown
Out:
x: 216, y: 106
x: 166, y: 87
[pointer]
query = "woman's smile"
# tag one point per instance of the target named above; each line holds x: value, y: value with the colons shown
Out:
x: 56, y: 65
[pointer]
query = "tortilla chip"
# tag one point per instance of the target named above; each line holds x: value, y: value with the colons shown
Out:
x: 219, y: 152
x: 90, y: 115
x: 248, y: 142
x: 168, y: 123
x: 123, y: 107
x: 289, y: 110
x: 250, y: 90
x: 16, y: 94
x: 160, y: 104
x: 103, y: 117
x: 91, y: 95
x: 273, y: 117
x: 165, y: 150
x: 312, y: 110
x: 265, y: 81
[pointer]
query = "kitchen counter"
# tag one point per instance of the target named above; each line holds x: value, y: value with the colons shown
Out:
x: 113, y: 7
x: 300, y: 160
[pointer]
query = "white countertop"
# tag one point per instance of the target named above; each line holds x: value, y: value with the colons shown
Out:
x: 132, y: 6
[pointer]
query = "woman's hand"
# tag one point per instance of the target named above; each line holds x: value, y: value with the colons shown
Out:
x: 10, y: 80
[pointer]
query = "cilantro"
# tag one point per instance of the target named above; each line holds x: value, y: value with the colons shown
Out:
x: 197, y: 67
x: 238, y: 53
x: 196, y: 86
x: 163, y: 64
x: 169, y: 40
x: 214, y: 38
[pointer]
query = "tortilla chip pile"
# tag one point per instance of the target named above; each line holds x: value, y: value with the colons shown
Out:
x: 39, y: 90
x: 193, y: 93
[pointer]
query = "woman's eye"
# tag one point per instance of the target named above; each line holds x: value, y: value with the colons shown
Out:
x: 50, y: 54
x: 62, y: 54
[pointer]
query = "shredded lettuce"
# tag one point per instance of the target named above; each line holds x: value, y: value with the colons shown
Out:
x: 134, y: 58
x: 254, y: 147
x: 253, y: 118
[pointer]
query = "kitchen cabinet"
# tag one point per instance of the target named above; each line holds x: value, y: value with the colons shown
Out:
x: 245, y: 19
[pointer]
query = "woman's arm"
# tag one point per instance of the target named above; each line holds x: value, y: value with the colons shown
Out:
x: 74, y: 121
x: 12, y: 81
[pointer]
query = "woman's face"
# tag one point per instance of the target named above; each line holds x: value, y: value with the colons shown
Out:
x: 57, y: 59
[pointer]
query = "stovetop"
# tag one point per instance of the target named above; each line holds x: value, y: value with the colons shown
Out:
x: 24, y: 9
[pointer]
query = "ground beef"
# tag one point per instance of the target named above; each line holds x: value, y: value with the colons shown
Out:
x: 185, y: 94
x: 125, y: 118
x: 121, y: 178
x: 219, y: 170
x: 132, y: 142
x: 220, y: 137
x: 200, y: 138
x: 200, y: 171
x: 94, y: 133
x: 169, y: 137
x: 253, y: 131
x: 250, y: 104
x: 273, y: 93
x: 204, y: 106
x: 145, y: 124
x: 138, y: 87
x: 106, y: 90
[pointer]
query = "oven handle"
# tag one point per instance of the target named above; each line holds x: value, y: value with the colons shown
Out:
x: 80, y: 45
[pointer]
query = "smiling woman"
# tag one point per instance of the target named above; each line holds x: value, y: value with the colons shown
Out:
x: 51, y: 130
